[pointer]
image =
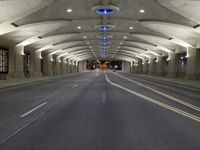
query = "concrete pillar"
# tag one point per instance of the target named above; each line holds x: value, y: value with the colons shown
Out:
x: 191, y: 69
x: 139, y: 67
x: 68, y: 68
x: 135, y: 68
x: 35, y: 64
x: 57, y: 69
x: 126, y: 66
x: 159, y: 66
x: 75, y: 66
x: 152, y: 66
x: 132, y: 67
x: 48, y: 65
x: 19, y: 62
x: 198, y: 64
x: 82, y: 66
x: 173, y: 65
x: 63, y: 69
x: 145, y: 68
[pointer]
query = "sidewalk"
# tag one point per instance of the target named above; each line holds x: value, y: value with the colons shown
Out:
x: 18, y: 82
x: 181, y: 81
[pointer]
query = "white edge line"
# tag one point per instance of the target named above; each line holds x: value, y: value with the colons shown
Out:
x: 179, y: 111
x: 163, y: 94
x: 32, y: 110
x: 20, y: 129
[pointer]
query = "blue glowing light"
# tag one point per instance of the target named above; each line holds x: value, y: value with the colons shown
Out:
x: 105, y: 11
x: 104, y: 37
x: 105, y: 28
x: 104, y: 43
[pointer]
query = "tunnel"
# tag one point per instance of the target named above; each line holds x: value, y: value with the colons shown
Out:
x: 99, y: 75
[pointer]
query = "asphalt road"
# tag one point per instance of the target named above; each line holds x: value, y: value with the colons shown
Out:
x: 100, y: 111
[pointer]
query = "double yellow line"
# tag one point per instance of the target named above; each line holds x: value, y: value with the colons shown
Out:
x: 181, y: 112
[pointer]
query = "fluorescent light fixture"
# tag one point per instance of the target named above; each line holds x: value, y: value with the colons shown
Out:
x: 125, y: 37
x: 69, y: 10
x: 142, y: 11
x: 131, y: 28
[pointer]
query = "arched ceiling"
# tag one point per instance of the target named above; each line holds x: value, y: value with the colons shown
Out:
x: 66, y: 28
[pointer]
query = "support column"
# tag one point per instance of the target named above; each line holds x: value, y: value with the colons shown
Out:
x: 173, y: 65
x: 82, y: 66
x: 132, y: 66
x: 74, y: 67
x: 63, y: 66
x: 191, y: 69
x: 35, y: 64
x: 68, y: 66
x: 145, y: 69
x: 48, y: 65
x: 159, y: 66
x: 126, y: 67
x: 57, y: 69
x: 152, y: 66
x: 135, y: 69
x: 139, y: 68
x: 19, y: 62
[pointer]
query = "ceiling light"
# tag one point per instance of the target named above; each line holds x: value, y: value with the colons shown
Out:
x: 125, y: 37
x: 79, y: 27
x: 84, y: 37
x: 102, y: 10
x: 105, y: 11
x: 131, y: 28
x: 142, y: 11
x: 105, y: 27
x: 69, y: 10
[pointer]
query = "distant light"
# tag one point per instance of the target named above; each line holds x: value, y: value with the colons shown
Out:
x: 79, y: 27
x: 84, y: 37
x: 69, y: 10
x: 88, y: 43
x: 121, y: 43
x: 125, y: 37
x: 142, y: 11
x: 131, y: 28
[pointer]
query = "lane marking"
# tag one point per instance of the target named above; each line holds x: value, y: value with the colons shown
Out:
x: 32, y: 110
x: 179, y: 111
x: 75, y: 86
x: 20, y: 129
x: 161, y: 93
x: 104, y: 97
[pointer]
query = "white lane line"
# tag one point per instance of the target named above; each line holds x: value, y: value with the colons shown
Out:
x: 163, y: 94
x: 104, y: 97
x: 179, y: 111
x: 32, y: 110
x: 20, y: 129
x: 75, y: 86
